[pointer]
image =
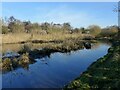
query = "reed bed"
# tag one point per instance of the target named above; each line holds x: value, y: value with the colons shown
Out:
x: 23, y: 37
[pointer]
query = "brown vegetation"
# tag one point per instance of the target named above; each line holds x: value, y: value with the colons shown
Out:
x: 16, y: 31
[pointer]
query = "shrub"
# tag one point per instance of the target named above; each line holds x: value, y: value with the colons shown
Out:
x: 4, y: 30
x: 6, y: 64
x: 109, y: 31
x: 94, y: 30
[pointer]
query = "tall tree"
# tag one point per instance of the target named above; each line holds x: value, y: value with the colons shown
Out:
x: 27, y: 25
x: 15, y: 25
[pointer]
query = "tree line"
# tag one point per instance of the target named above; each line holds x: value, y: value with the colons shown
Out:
x: 13, y: 25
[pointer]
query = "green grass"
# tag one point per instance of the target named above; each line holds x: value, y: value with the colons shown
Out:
x: 102, y: 74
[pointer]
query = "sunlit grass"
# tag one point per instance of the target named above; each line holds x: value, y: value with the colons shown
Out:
x: 20, y: 37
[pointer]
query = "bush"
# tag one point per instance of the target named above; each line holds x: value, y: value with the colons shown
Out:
x: 16, y: 27
x: 94, y: 30
x: 109, y: 32
x: 4, y: 30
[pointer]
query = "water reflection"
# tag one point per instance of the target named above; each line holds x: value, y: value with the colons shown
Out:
x: 55, y: 69
x: 38, y: 54
x: 32, y: 46
x: 18, y: 47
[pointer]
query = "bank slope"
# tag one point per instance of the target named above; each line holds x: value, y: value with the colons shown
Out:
x: 104, y: 73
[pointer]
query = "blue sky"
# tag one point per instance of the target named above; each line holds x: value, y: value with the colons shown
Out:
x: 79, y: 14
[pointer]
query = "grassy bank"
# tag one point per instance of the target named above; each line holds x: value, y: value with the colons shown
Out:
x: 102, y: 74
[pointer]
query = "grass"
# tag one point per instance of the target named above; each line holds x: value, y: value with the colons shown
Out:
x: 102, y: 74
x: 23, y: 37
x: 12, y: 41
x: 9, y: 64
x: 27, y: 54
x: 15, y: 38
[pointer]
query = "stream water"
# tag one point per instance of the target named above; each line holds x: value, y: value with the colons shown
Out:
x: 54, y: 71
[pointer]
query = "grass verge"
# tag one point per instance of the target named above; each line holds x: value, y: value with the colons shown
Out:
x: 102, y: 74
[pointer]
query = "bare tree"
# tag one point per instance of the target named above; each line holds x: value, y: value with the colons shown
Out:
x: 117, y: 9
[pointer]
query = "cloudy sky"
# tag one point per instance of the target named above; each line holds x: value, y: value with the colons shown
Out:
x: 79, y: 14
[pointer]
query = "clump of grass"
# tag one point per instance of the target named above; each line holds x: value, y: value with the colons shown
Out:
x: 24, y: 59
x: 6, y: 64
x: 71, y: 44
x: 10, y: 64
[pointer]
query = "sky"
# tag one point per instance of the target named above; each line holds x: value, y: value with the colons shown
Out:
x: 78, y: 14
